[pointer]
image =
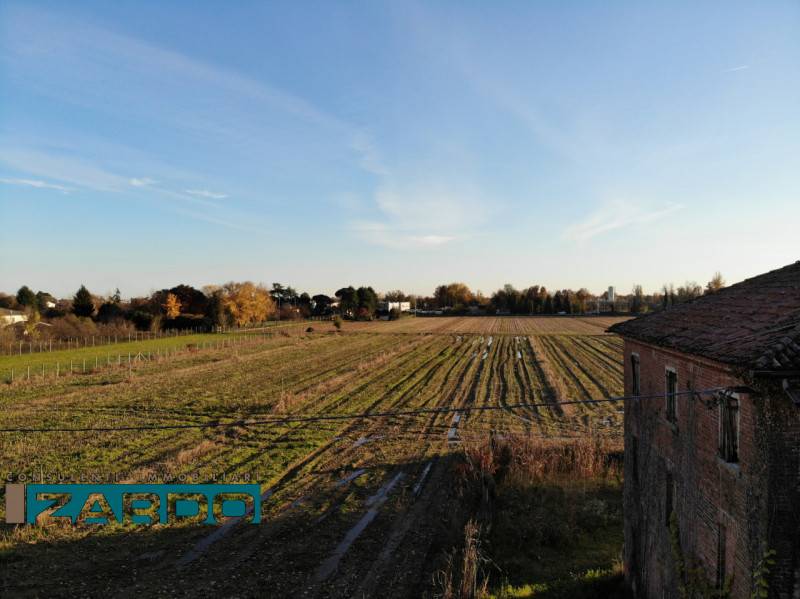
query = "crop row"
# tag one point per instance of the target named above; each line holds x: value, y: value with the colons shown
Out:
x: 487, y: 325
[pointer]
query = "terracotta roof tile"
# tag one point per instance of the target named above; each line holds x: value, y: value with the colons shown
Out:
x: 753, y: 324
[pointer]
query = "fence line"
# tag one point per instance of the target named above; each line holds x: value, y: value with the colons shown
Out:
x: 118, y: 362
x: 18, y: 348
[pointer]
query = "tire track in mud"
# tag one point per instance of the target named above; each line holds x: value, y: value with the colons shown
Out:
x: 567, y: 356
x: 508, y: 362
x: 552, y: 394
x: 583, y: 392
x: 286, y: 432
x: 402, y: 523
x: 305, y: 461
x: 604, y: 358
x: 420, y: 378
x: 443, y: 400
x: 523, y: 364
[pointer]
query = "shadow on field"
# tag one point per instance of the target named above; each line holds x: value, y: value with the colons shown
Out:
x: 545, y: 521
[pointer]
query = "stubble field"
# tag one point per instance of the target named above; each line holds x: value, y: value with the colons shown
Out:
x: 352, y: 436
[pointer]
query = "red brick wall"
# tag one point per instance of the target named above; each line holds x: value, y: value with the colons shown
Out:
x: 709, y: 492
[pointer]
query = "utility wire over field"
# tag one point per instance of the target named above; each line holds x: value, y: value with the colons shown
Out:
x: 323, y: 420
x: 293, y: 418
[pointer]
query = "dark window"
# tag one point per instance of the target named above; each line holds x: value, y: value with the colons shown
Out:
x: 635, y: 458
x: 670, y: 497
x: 720, y: 556
x: 672, y: 398
x: 635, y: 375
x: 729, y: 429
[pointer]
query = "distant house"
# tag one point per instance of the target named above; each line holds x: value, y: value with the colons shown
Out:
x: 386, y: 306
x: 9, y: 317
x: 726, y: 463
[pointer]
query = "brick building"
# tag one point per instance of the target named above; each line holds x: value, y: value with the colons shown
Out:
x: 726, y: 463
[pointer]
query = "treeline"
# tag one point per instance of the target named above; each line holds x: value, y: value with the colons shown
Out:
x: 245, y: 303
x: 182, y: 307
x: 458, y: 298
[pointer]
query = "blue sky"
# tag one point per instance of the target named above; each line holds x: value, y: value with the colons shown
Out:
x: 400, y: 145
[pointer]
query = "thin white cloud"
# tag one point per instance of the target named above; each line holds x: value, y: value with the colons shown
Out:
x: 432, y: 239
x: 36, y: 183
x: 615, y: 215
x: 422, y: 215
x: 85, y: 54
x: 62, y: 168
x: 205, y: 193
x: 381, y: 234
x: 142, y: 182
x: 370, y: 158
x: 739, y: 68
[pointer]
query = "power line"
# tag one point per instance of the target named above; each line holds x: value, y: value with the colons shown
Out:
x: 299, y: 418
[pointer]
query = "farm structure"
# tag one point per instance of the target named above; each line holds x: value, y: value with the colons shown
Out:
x: 712, y: 482
x: 350, y: 434
x: 9, y: 317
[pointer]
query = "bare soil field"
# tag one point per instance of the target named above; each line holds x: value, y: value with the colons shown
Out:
x: 363, y: 506
x: 495, y: 325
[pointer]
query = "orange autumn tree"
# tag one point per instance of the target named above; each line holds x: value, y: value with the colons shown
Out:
x: 247, y: 303
x: 172, y: 306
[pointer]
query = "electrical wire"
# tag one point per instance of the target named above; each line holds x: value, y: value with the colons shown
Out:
x: 299, y: 418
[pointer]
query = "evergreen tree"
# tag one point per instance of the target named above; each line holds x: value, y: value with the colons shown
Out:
x: 82, y: 303
x: 558, y: 303
x: 26, y: 297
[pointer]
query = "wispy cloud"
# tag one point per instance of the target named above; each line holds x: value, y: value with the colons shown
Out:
x: 36, y: 183
x: 205, y: 193
x: 170, y: 87
x: 423, y: 215
x: 616, y: 215
x: 57, y: 166
x: 396, y: 238
x: 142, y: 182
x: 739, y: 68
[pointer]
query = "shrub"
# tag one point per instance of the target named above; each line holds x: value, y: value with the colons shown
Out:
x: 187, y: 321
x: 71, y: 326
x: 7, y: 335
x: 141, y: 319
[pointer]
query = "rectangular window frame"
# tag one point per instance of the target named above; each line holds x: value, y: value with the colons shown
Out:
x: 671, y: 396
x: 729, y: 442
x: 636, y: 375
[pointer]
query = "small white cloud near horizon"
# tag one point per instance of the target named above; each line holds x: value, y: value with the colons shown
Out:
x: 739, y: 68
x: 396, y: 238
x: 142, y: 181
x: 36, y: 183
x: 615, y: 215
x: 423, y: 215
x: 205, y: 193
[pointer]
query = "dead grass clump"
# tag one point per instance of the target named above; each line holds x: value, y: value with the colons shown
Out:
x: 462, y: 577
x: 191, y: 454
x: 531, y: 459
x: 287, y: 401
